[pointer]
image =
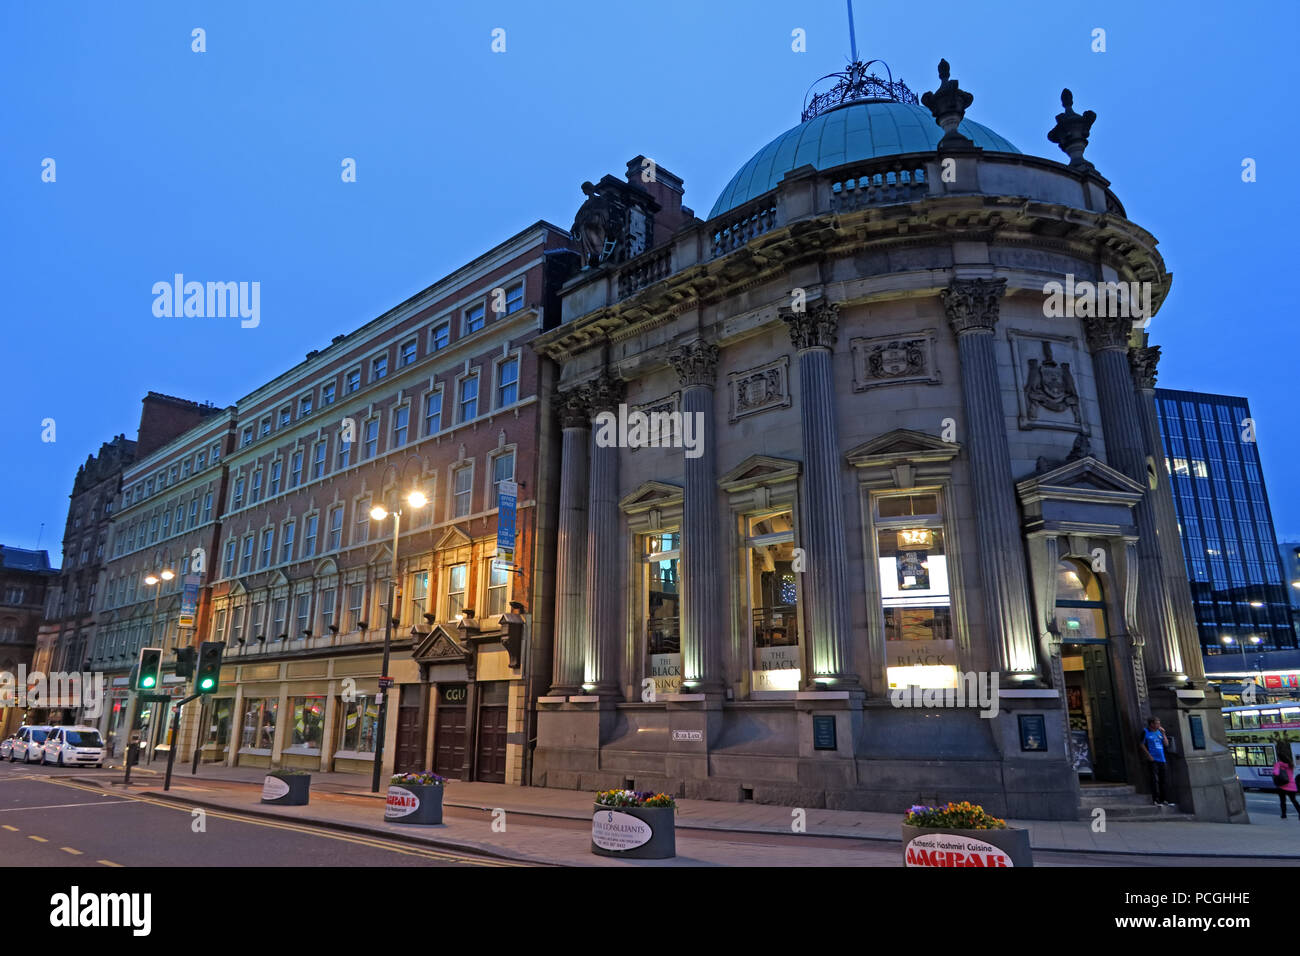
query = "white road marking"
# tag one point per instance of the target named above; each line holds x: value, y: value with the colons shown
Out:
x: 58, y: 806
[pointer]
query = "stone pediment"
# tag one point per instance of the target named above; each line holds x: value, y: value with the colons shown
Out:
x: 380, y: 555
x: 902, y: 445
x: 651, y: 494
x: 439, y: 647
x: 238, y: 588
x: 278, y: 579
x: 326, y: 568
x: 1084, y: 477
x: 453, y: 537
x: 759, y: 470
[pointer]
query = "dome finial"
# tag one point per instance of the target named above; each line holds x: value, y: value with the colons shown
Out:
x: 855, y: 84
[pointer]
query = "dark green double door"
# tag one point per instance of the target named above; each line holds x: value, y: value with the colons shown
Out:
x: 1107, y: 735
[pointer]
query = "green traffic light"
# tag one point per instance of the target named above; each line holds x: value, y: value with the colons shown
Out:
x: 205, y: 683
x: 147, y: 682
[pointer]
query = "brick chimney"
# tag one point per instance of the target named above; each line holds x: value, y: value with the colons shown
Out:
x: 667, y: 190
x: 164, y: 417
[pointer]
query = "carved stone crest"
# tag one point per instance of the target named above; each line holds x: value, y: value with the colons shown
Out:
x: 1050, y: 385
x: 893, y: 360
x: 1049, y: 396
x: 759, y: 389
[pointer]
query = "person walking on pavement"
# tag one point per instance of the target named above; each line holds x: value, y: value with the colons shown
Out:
x: 1154, y: 742
x: 1284, y: 770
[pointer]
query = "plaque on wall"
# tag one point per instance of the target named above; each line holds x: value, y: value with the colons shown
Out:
x: 824, y: 732
x: 894, y: 360
x: 1033, y: 732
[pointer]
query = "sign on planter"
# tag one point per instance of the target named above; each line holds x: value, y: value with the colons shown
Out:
x: 273, y: 788
x: 950, y: 850
x: 611, y: 830
x: 400, y: 803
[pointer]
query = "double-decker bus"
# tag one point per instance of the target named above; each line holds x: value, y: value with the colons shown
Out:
x: 1251, y: 732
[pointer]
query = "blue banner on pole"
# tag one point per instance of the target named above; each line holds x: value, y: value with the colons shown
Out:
x: 507, y: 493
x: 189, y: 600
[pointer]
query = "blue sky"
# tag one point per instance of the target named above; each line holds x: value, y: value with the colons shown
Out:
x: 225, y: 165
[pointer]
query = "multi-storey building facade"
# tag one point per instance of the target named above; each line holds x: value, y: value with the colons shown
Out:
x: 881, y: 447
x: 441, y: 396
x: 25, y: 579
x: 163, y: 532
x: 1240, y: 589
x: 67, y: 632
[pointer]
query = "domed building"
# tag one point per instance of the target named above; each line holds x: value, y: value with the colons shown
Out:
x: 858, y: 496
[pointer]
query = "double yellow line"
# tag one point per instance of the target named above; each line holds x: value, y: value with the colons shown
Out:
x: 373, y: 842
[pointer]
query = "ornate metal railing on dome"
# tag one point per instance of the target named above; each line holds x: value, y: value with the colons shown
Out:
x: 855, y: 84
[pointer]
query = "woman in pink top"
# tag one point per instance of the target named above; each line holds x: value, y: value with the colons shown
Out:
x: 1285, y: 767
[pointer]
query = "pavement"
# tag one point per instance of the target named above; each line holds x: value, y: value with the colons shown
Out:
x: 541, y: 825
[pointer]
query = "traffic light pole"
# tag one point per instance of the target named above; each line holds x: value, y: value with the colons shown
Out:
x: 130, y: 744
x: 176, y: 734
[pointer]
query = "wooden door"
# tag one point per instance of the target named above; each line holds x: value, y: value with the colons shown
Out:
x: 449, y: 731
x: 492, y: 744
x: 1107, y: 737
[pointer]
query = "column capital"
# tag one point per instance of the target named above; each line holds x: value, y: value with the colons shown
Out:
x: 973, y: 305
x: 573, y: 405
x: 1142, y: 362
x: 814, y: 328
x: 605, y: 393
x: 1107, y: 332
x: 696, y: 363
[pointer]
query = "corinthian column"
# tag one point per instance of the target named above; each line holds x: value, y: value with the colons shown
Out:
x: 571, y: 544
x: 1143, y: 362
x: 826, y: 580
x: 972, y: 306
x: 702, y: 559
x: 1126, y: 449
x: 603, y: 607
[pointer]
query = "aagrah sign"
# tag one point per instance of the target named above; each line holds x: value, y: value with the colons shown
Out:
x: 400, y: 803
x: 611, y: 830
x: 948, y: 849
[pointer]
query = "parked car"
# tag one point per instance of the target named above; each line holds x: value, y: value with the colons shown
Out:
x: 28, y: 742
x: 7, y: 748
x: 73, y: 746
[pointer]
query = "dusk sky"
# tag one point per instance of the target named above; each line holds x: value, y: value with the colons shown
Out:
x: 225, y: 165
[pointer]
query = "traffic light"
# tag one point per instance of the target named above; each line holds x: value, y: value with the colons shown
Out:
x: 185, y: 661
x: 207, y: 673
x: 148, y: 673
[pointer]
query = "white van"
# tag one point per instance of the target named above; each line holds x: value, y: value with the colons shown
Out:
x: 28, y: 743
x: 75, y: 746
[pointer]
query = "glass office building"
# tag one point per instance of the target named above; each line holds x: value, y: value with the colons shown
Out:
x: 1238, y: 584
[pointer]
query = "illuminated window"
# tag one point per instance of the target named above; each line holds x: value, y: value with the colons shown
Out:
x: 915, y: 602
x: 661, y: 560
x: 773, y: 589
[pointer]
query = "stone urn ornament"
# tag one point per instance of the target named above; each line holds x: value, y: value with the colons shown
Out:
x: 948, y: 104
x: 1071, y: 131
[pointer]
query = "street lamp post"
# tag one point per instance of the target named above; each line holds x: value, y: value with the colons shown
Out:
x: 1241, y: 645
x: 378, y: 513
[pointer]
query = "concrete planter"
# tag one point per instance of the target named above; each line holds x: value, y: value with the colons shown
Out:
x: 287, y: 789
x: 946, y: 847
x: 414, y: 803
x: 634, y: 833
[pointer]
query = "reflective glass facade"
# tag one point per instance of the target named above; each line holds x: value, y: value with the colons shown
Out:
x: 1212, y: 460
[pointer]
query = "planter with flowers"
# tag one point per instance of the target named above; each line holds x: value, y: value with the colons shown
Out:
x: 289, y: 787
x: 962, y: 834
x: 415, y: 798
x: 634, y: 824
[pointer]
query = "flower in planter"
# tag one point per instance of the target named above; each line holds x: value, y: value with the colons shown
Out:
x: 422, y: 778
x: 954, y: 816
x: 634, y: 798
x: 292, y: 772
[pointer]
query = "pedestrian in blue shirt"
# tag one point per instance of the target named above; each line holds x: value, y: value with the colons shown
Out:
x: 1154, y: 742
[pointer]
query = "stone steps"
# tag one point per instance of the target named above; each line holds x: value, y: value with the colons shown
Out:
x: 1123, y: 802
